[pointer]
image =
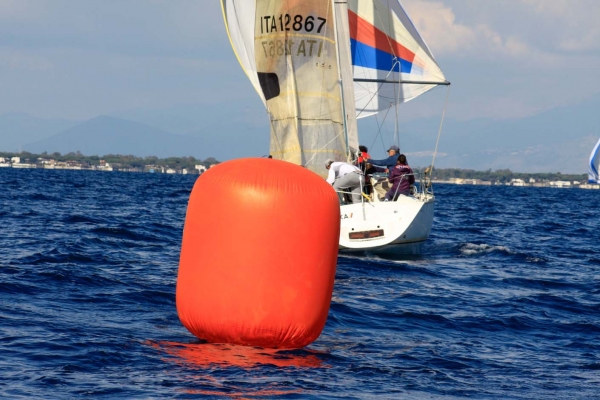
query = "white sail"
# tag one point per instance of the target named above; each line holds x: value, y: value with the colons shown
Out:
x: 239, y: 21
x: 386, y: 47
x: 318, y: 65
x: 289, y: 52
x: 594, y: 166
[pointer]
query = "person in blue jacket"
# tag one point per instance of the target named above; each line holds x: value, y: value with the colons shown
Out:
x: 385, y: 165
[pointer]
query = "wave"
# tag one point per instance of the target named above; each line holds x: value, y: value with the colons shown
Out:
x: 470, y: 249
x: 503, y: 302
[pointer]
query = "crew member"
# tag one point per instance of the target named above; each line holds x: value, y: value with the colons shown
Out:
x: 402, y: 177
x: 344, y: 176
x: 385, y: 165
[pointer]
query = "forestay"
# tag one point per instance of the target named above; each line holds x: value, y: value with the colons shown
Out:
x: 289, y: 51
x: 392, y: 63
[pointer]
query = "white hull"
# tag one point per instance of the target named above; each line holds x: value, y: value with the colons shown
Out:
x: 396, y: 227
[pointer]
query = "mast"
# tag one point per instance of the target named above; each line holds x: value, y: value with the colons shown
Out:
x: 340, y: 81
x: 342, y: 28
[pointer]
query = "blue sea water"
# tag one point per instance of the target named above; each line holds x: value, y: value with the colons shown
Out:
x: 504, y: 302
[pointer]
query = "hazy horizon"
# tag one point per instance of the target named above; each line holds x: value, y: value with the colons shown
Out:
x: 169, y: 64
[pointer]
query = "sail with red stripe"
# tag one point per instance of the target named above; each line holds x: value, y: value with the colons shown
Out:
x: 391, y: 62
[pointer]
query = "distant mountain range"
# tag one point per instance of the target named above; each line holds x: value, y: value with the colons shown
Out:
x: 18, y: 130
x: 557, y: 140
x: 107, y: 135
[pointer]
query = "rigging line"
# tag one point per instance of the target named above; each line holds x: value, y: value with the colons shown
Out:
x: 379, y: 126
x: 360, y: 54
x: 377, y: 134
x: 322, y: 147
x: 381, y: 130
x: 393, y: 141
x: 377, y: 13
x: 440, y: 130
x: 274, y: 132
x: 322, y: 84
x: 331, y: 9
x: 389, y: 25
x: 396, y: 138
x: 397, y: 100
x: 396, y: 62
x: 378, y: 88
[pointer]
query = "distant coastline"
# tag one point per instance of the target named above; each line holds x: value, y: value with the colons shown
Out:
x: 191, y: 165
x: 519, y: 182
x: 506, y: 177
x: 108, y: 163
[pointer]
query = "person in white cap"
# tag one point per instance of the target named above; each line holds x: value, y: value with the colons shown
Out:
x: 344, y: 176
x: 385, y: 165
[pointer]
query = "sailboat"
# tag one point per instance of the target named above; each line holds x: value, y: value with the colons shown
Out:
x: 318, y: 66
x: 594, y: 166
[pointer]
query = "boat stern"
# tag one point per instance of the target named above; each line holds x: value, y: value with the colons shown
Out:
x: 404, y: 225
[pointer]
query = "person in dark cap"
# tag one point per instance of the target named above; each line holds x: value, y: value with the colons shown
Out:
x: 385, y: 165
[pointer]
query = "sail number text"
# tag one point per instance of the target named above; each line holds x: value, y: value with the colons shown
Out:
x: 306, y: 48
x: 287, y: 22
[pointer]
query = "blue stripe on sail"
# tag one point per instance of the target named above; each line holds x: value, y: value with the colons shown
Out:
x: 593, y: 176
x: 370, y: 57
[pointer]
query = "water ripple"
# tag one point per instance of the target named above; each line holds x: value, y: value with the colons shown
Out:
x: 504, y: 303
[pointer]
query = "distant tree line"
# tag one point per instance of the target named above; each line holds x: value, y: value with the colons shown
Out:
x: 130, y: 161
x: 504, y: 175
x: 123, y: 161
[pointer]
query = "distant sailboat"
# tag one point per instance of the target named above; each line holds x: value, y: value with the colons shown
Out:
x: 594, y: 167
x: 318, y: 65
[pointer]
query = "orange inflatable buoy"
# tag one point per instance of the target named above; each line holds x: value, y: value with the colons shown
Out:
x: 258, y: 254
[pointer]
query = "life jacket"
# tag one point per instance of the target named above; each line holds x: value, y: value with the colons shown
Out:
x: 362, y: 157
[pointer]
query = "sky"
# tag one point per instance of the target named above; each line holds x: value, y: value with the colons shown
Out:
x: 73, y: 59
